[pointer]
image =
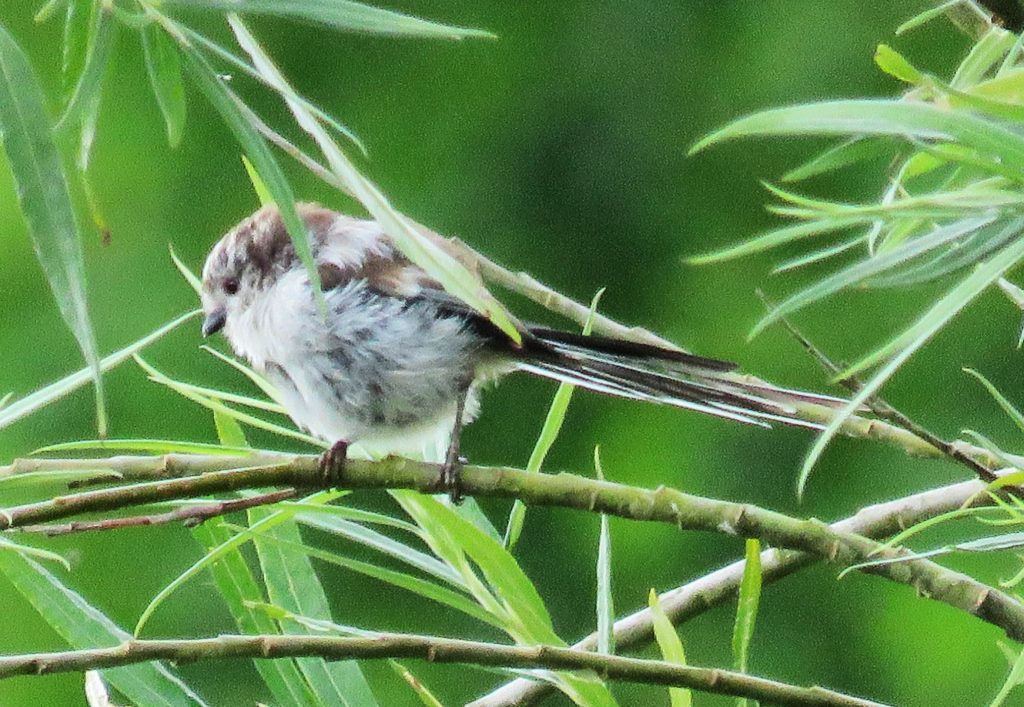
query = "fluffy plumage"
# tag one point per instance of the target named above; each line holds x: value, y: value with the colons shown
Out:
x: 396, y: 355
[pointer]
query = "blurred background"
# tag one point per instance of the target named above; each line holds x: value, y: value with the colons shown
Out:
x: 560, y: 149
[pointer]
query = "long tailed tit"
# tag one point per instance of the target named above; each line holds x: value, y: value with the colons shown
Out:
x: 398, y: 361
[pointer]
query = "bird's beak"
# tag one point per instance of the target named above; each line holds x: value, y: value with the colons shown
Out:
x: 214, y: 321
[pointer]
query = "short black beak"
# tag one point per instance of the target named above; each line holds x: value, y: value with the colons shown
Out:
x: 214, y: 322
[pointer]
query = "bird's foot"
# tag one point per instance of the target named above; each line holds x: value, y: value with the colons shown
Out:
x: 449, y: 478
x: 332, y: 464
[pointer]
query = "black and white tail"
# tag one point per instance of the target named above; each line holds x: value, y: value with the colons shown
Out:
x: 653, y: 374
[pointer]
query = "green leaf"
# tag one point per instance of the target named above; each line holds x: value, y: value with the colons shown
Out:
x: 84, y: 626
x: 775, y: 238
x: 904, y: 346
x: 153, y: 446
x: 671, y: 648
x: 415, y: 242
x: 48, y: 10
x: 85, y: 96
x: 446, y: 531
x: 190, y: 277
x: 36, y: 552
x: 57, y: 390
x: 881, y: 117
x: 229, y: 432
x: 260, y: 156
x: 262, y: 193
x: 984, y: 55
x: 896, y: 65
x: 548, y: 434
x: 1013, y: 680
x: 239, y: 589
x: 880, y: 263
x: 402, y: 580
x: 746, y: 609
x: 279, y: 516
x: 293, y: 584
x: 1011, y: 411
x: 188, y: 391
x: 425, y: 695
x: 926, y: 16
x: 262, y: 383
x: 382, y: 543
x: 45, y: 200
x: 340, y: 15
x: 605, y: 601
x: 78, y: 26
x: 844, y: 154
x: 164, y: 68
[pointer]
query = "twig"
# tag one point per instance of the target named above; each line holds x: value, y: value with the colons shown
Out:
x: 438, y: 650
x: 664, y: 505
x: 719, y: 587
x: 191, y: 516
x: 883, y: 409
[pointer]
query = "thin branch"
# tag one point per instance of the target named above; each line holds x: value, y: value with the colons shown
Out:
x: 883, y: 409
x: 437, y: 650
x: 685, y: 511
x: 190, y: 516
x: 720, y: 587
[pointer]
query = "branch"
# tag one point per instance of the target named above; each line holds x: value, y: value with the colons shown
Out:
x: 721, y: 586
x: 682, y: 510
x: 439, y: 650
x: 190, y: 516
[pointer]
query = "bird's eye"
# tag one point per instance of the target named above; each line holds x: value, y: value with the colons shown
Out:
x: 231, y: 286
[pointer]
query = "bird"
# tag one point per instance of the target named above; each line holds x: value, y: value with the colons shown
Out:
x: 394, y: 361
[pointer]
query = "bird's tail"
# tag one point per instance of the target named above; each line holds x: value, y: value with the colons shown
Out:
x: 638, y: 371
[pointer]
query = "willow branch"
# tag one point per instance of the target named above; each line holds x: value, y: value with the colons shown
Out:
x: 438, y: 650
x: 685, y: 511
x: 190, y: 516
x: 721, y: 586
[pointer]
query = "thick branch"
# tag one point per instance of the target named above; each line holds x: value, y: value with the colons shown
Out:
x: 665, y: 505
x: 439, y: 650
x: 719, y: 587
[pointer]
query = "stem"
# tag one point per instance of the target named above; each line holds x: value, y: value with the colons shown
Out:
x: 665, y: 505
x: 438, y: 650
x: 721, y: 586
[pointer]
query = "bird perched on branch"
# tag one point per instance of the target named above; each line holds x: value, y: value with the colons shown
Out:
x: 398, y: 361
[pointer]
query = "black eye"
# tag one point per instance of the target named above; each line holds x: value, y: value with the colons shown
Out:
x: 231, y: 286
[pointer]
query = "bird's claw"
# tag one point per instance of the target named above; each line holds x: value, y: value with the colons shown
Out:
x: 332, y: 464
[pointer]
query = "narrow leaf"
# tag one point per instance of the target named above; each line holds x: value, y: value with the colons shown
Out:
x: 548, y: 434
x: 881, y: 117
x: 746, y: 609
x: 605, y: 601
x: 164, y: 68
x: 84, y: 626
x: 239, y: 589
x: 671, y: 648
x: 340, y: 15
x: 57, y: 390
x: 45, y: 200
x: 293, y: 584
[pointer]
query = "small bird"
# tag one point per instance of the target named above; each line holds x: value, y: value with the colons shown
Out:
x: 398, y: 362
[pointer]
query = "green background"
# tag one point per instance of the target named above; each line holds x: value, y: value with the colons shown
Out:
x: 559, y: 149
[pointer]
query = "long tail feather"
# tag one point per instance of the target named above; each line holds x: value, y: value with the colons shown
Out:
x: 652, y: 374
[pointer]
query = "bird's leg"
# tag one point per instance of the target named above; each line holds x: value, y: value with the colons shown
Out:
x: 332, y: 464
x: 449, y: 478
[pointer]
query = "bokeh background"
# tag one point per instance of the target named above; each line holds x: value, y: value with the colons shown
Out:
x: 560, y: 149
